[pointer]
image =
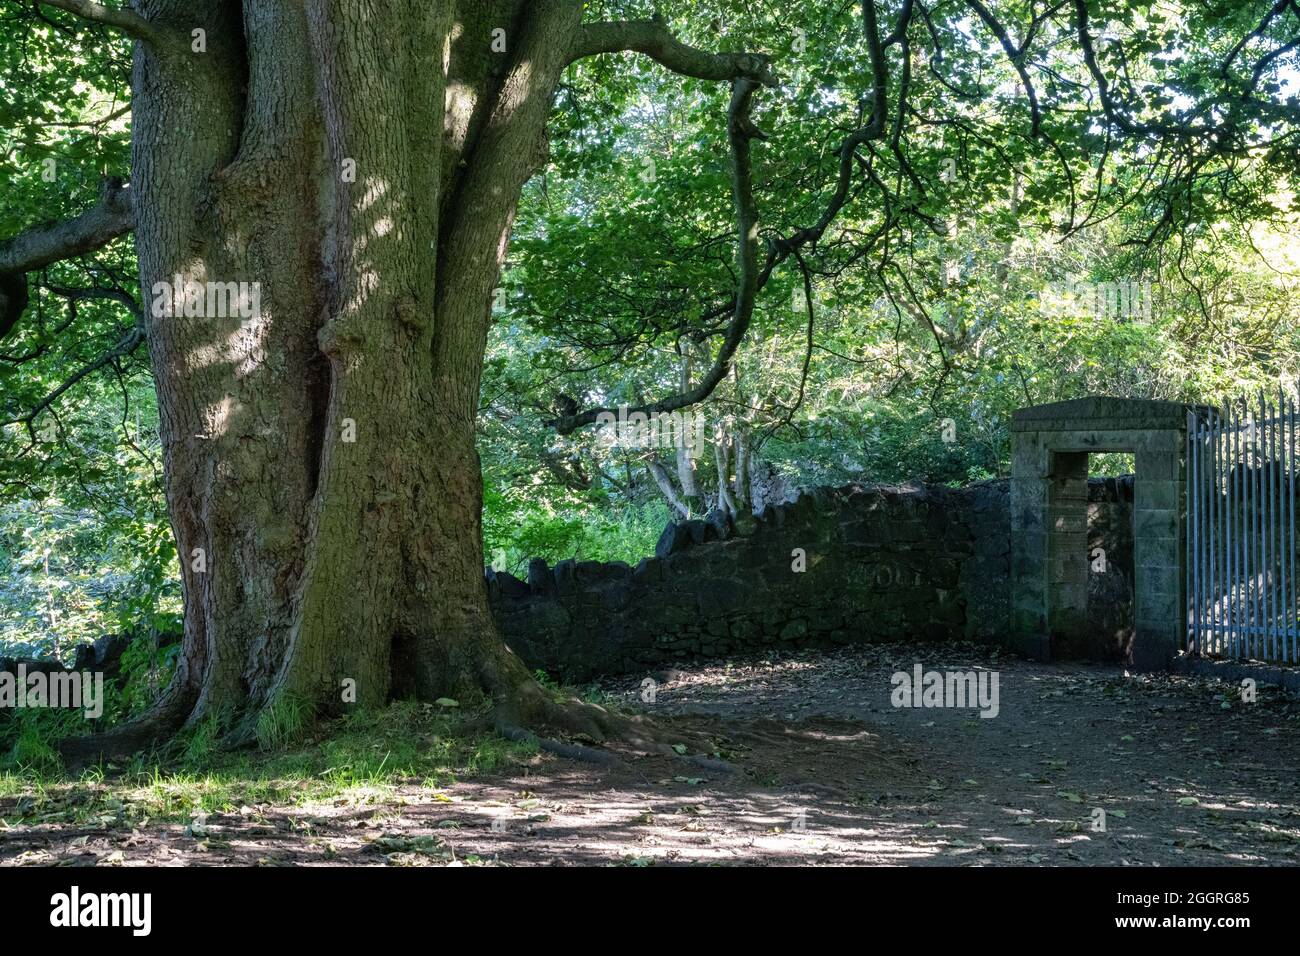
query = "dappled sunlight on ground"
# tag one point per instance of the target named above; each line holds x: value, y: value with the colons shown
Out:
x: 827, y: 772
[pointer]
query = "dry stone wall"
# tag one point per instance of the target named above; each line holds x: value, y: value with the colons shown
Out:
x: 859, y: 564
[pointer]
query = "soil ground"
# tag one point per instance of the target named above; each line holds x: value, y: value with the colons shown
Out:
x: 827, y: 773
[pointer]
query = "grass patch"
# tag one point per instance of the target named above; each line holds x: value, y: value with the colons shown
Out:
x: 282, y: 723
x: 361, y: 759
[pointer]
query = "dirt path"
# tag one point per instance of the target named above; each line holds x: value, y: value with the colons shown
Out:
x: 831, y: 773
x: 1185, y: 772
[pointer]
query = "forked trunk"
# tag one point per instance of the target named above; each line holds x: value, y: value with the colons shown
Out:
x: 323, y: 193
x: 319, y: 446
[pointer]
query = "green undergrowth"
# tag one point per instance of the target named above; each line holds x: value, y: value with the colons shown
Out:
x: 360, y: 758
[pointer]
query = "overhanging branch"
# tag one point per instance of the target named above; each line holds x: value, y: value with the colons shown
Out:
x: 130, y: 340
x: 740, y: 132
x: 112, y: 216
x: 1016, y: 56
x: 653, y: 39
x: 128, y: 21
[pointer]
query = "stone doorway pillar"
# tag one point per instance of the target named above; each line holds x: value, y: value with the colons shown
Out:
x: 1049, y: 513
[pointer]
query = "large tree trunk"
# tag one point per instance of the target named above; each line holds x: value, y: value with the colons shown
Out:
x: 358, y: 164
x: 321, y: 470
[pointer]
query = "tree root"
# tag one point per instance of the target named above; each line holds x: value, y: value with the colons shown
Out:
x: 594, y: 755
x: 566, y: 727
x: 145, y: 732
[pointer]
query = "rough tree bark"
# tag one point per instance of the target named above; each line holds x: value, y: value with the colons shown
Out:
x: 361, y: 163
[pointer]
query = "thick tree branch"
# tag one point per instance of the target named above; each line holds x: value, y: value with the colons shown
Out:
x: 128, y: 21
x: 653, y: 39
x: 740, y: 131
x: 112, y: 216
x: 879, y: 68
x: 900, y: 28
x: 1016, y: 56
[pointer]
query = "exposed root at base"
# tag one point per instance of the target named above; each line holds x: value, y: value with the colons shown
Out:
x: 572, y: 751
x: 565, y: 728
x: 569, y: 728
x: 153, y: 729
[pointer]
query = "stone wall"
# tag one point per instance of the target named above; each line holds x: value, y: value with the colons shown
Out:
x: 859, y: 564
